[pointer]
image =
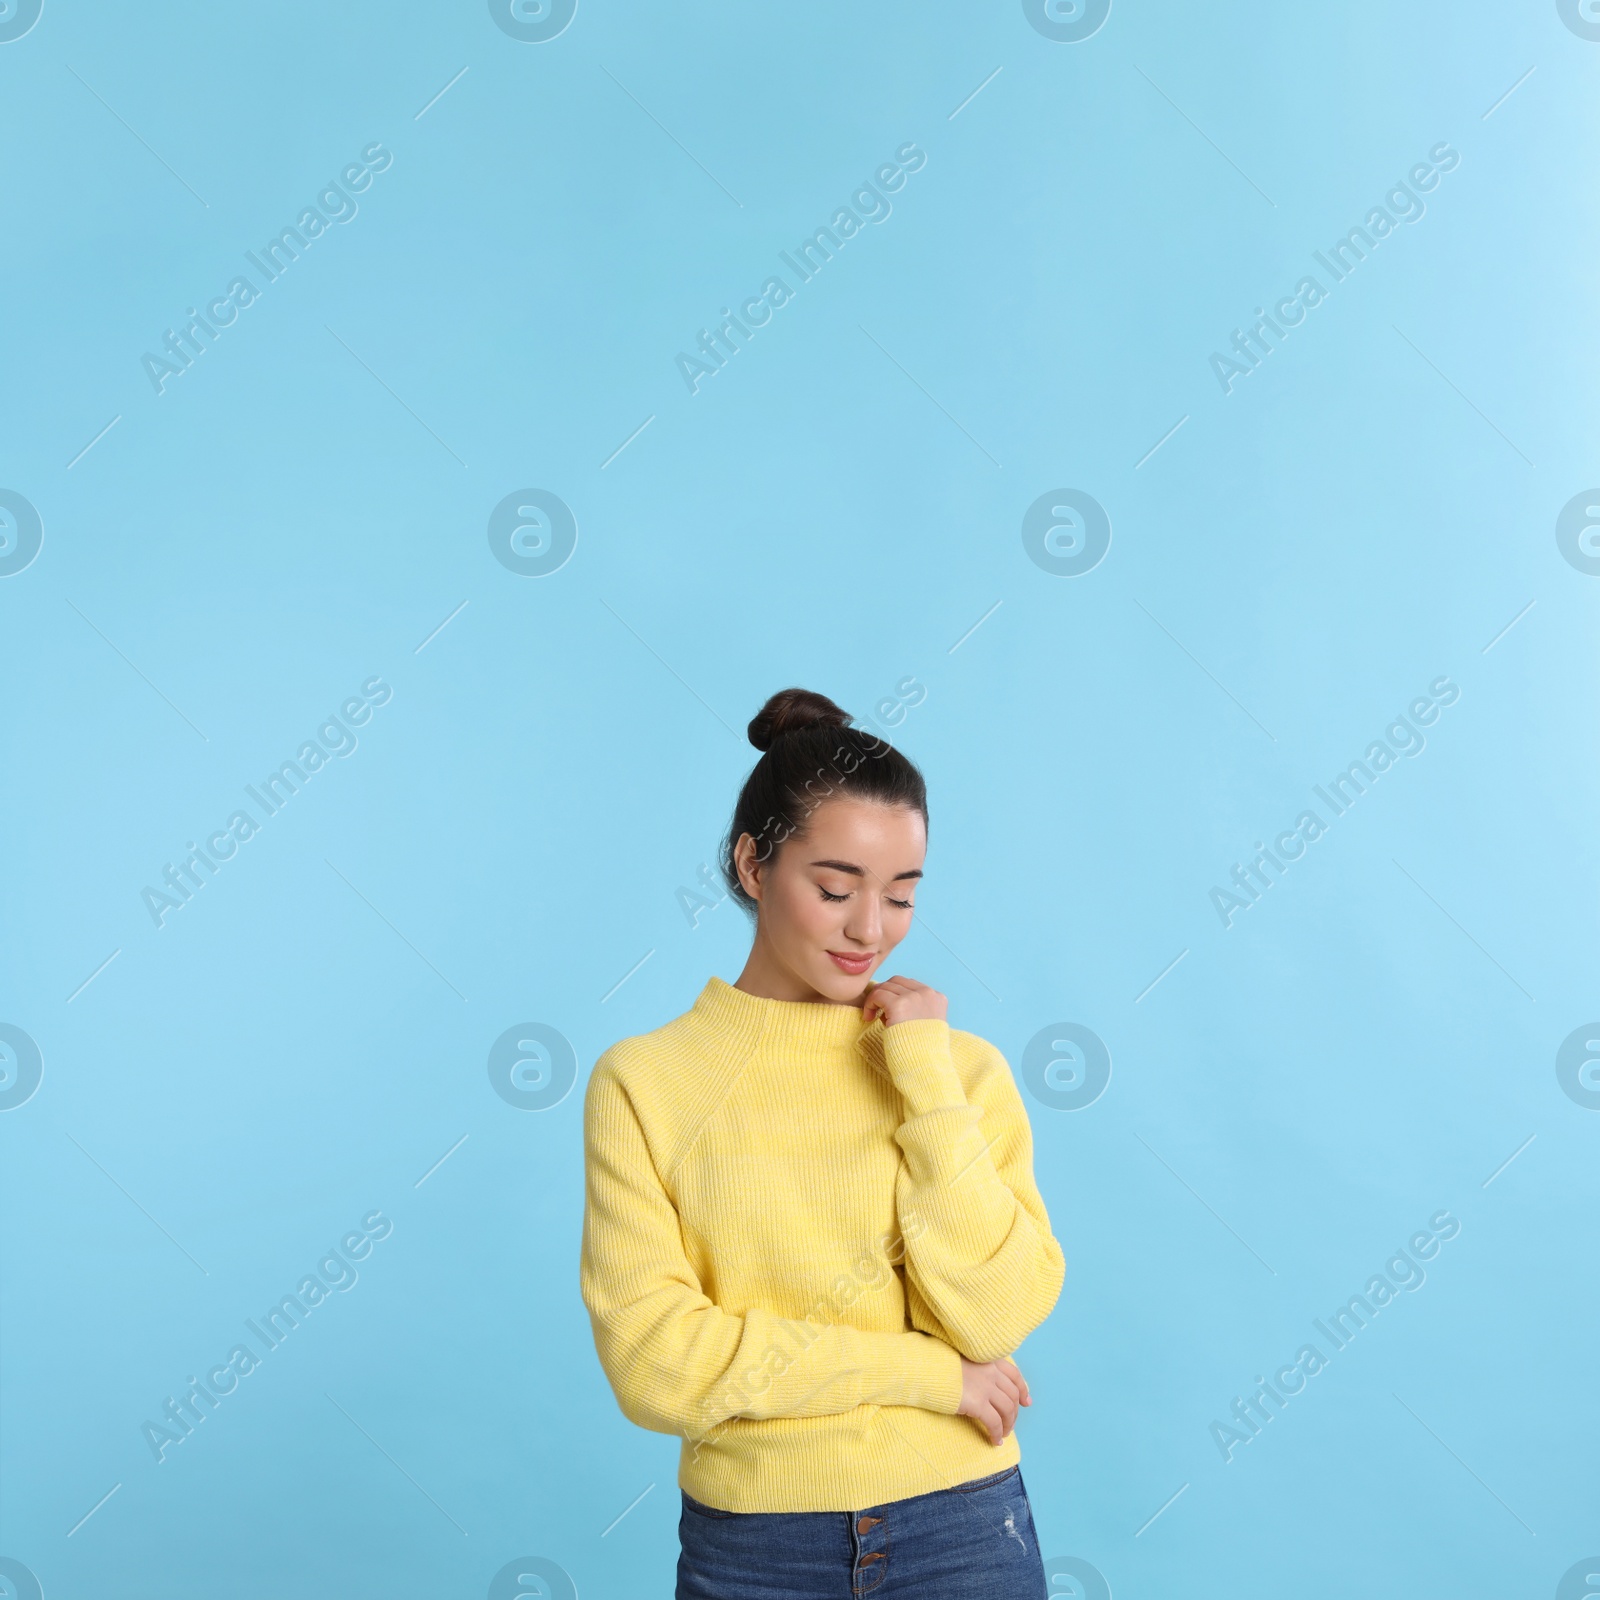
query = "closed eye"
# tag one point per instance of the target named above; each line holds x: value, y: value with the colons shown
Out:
x: 901, y: 905
x: 890, y: 898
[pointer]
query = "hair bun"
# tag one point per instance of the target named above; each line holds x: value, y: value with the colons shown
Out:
x: 793, y: 711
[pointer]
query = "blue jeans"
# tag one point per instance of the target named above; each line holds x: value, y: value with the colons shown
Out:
x: 972, y: 1542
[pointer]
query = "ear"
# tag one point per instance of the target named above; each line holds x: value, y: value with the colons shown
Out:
x: 747, y: 866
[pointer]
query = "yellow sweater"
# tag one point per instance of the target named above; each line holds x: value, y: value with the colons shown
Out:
x: 793, y: 1224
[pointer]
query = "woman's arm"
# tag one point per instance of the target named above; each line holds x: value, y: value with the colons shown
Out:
x: 979, y: 1250
x: 678, y: 1363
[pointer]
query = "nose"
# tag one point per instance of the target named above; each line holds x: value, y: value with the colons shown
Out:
x: 865, y: 923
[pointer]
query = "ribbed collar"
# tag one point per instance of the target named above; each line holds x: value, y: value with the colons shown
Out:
x: 798, y: 1025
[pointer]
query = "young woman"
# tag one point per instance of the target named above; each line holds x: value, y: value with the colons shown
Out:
x: 812, y: 1237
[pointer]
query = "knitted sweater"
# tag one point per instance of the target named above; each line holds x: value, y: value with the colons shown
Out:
x: 793, y: 1224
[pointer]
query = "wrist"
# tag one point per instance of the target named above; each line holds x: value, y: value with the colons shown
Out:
x: 916, y: 1054
x: 910, y: 1369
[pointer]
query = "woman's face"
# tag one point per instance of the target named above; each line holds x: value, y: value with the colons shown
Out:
x: 834, y: 901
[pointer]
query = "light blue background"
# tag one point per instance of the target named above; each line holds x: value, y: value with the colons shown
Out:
x: 301, y: 510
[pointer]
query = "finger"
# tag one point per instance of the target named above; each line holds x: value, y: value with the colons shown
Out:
x: 1007, y: 1384
x: 886, y: 1006
x: 1016, y: 1373
x: 1013, y: 1385
x: 991, y: 1422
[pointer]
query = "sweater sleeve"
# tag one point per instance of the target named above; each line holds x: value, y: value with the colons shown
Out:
x: 677, y: 1362
x: 979, y: 1250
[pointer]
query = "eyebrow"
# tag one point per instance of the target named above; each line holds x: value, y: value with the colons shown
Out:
x: 856, y: 872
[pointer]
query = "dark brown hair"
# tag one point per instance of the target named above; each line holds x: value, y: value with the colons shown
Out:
x: 810, y: 752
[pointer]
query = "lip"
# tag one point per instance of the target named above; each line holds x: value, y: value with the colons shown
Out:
x: 855, y: 965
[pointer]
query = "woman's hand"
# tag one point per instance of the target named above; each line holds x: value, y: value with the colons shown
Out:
x: 991, y: 1391
x: 900, y: 999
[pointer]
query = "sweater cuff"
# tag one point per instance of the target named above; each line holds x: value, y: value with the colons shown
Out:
x: 910, y: 1369
x: 917, y: 1055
